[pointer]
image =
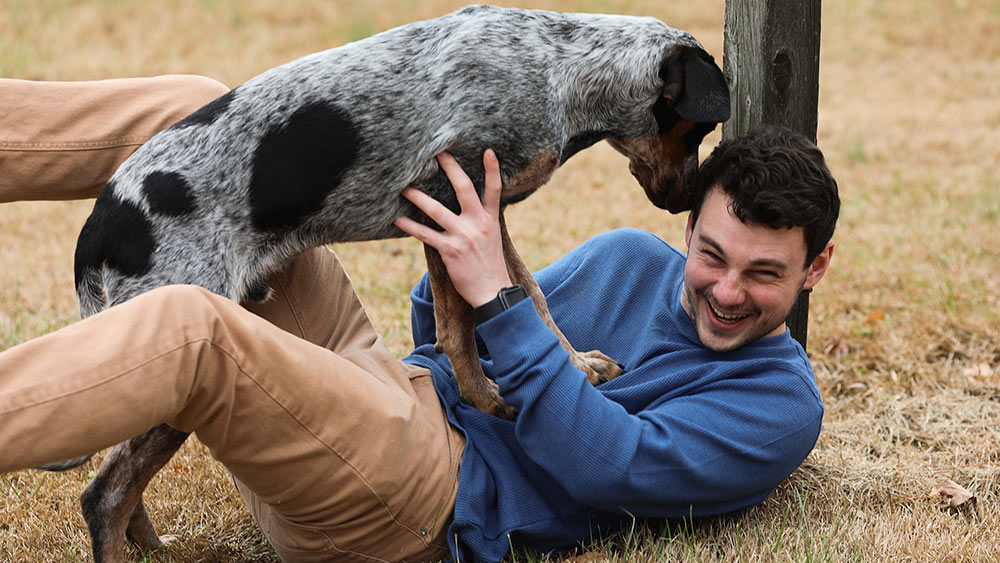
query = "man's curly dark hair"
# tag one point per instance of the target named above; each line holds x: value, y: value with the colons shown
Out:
x: 775, y: 177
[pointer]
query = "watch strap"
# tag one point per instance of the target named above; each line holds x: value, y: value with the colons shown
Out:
x: 505, y: 299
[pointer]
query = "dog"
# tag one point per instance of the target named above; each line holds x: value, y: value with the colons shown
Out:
x: 318, y: 150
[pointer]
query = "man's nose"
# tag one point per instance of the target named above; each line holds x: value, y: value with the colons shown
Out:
x: 729, y: 290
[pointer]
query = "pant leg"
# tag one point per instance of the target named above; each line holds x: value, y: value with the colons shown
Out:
x: 313, y: 298
x: 63, y: 140
x: 341, y: 463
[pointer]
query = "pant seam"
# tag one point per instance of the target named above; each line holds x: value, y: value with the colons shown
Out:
x: 123, y: 373
x: 72, y: 145
x: 292, y: 309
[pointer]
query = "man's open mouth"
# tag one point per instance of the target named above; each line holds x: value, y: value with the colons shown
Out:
x: 724, y: 317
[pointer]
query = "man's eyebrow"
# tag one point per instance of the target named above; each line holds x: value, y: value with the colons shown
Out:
x: 769, y: 263
x: 710, y: 242
x: 758, y: 263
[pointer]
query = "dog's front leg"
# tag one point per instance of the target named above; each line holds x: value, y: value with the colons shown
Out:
x: 456, y: 337
x: 598, y: 367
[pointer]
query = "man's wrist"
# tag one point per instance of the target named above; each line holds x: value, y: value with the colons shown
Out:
x: 505, y: 299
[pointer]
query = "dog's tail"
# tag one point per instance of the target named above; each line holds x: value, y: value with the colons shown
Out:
x: 65, y: 465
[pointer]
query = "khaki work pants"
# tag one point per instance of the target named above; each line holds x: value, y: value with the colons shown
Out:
x: 341, y: 451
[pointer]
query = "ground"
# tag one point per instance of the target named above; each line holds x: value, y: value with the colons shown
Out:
x: 903, y: 332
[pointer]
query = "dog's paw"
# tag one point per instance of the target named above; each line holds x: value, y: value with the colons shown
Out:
x: 598, y: 366
x: 505, y: 411
x: 500, y: 409
x: 486, y: 398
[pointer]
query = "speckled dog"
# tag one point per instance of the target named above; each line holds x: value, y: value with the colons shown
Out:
x: 318, y: 150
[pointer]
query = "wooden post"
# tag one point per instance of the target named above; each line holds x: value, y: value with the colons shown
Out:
x: 771, y: 59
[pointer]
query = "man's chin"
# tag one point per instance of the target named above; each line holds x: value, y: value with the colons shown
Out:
x: 753, y: 332
x: 720, y: 344
x: 721, y: 336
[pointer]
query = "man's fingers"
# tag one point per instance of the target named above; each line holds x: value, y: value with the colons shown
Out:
x: 494, y: 183
x: 419, y: 231
x: 431, y: 207
x: 465, y: 190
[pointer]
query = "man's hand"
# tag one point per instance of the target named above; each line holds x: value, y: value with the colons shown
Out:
x: 470, y: 244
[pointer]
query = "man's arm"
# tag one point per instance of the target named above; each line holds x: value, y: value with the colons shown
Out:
x: 719, y: 447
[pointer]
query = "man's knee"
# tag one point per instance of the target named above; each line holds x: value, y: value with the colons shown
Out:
x: 182, y: 293
x: 193, y: 91
x: 176, y: 303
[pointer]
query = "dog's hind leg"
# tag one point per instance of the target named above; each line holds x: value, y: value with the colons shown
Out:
x: 456, y: 337
x: 140, y: 531
x: 112, y: 502
x: 598, y: 367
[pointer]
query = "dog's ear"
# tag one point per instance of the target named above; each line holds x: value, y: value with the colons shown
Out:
x: 695, y: 86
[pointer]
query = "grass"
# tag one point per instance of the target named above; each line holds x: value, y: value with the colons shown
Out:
x: 903, y: 331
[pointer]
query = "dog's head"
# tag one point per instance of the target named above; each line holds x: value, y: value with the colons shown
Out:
x: 694, y: 101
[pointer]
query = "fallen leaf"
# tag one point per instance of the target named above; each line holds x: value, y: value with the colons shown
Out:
x: 876, y: 316
x: 956, y: 494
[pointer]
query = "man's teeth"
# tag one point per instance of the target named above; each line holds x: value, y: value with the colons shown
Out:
x: 727, y: 318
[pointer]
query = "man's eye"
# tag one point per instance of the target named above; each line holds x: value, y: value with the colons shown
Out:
x: 767, y: 274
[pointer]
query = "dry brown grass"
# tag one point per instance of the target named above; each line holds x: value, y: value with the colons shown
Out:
x: 903, y: 332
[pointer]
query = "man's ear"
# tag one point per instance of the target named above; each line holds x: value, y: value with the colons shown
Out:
x: 695, y: 86
x: 818, y: 267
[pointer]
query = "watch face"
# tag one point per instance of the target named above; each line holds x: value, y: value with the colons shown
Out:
x: 510, y: 296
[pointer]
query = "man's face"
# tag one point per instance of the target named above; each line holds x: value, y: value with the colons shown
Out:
x: 741, y: 280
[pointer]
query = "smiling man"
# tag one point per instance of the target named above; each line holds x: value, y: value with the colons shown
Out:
x: 759, y: 234
x: 718, y: 404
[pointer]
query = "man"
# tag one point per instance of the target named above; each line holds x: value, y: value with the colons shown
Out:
x: 344, y: 453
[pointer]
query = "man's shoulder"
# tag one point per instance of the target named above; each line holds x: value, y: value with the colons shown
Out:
x: 782, y: 354
x: 612, y: 267
x: 626, y: 242
x: 618, y: 255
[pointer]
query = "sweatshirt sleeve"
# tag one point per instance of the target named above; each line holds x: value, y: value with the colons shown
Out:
x: 722, y: 446
x: 422, y: 313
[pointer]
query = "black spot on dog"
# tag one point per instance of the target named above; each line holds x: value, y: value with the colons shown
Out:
x: 117, y: 235
x: 209, y: 112
x: 298, y: 163
x: 168, y: 194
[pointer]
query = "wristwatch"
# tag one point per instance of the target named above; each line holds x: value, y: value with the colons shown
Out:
x: 505, y: 299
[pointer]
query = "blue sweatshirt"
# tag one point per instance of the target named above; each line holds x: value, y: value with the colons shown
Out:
x: 686, y: 431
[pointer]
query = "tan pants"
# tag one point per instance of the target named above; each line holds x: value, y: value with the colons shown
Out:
x: 341, y: 451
